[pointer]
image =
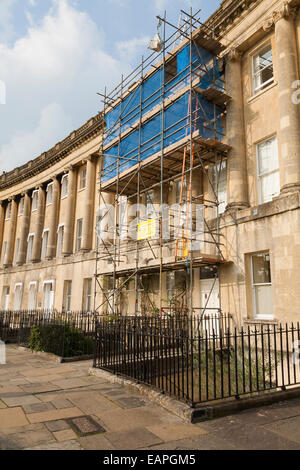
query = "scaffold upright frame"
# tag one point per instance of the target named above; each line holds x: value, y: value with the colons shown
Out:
x: 175, y: 160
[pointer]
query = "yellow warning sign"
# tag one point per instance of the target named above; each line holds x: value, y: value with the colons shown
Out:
x: 146, y: 229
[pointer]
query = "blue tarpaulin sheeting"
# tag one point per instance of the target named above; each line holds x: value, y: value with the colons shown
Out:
x: 139, y: 145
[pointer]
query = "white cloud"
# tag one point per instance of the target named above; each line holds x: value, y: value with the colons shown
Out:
x: 128, y: 50
x: 6, y: 27
x: 49, y: 129
x: 60, y: 60
x: 161, y: 4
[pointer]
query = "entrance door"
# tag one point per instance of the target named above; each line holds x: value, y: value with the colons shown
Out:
x: 5, y: 299
x: 210, y: 301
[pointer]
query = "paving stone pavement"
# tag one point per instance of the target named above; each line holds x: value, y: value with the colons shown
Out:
x: 40, y: 399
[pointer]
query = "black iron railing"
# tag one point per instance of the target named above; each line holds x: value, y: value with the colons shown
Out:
x: 64, y: 334
x: 196, y: 360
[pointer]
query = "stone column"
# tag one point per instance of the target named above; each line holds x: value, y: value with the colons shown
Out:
x: 51, y: 248
x: 237, y: 189
x: 289, y: 118
x: 87, y: 233
x: 2, y: 217
x: 39, y: 226
x: 24, y: 230
x: 12, y: 233
x: 70, y: 222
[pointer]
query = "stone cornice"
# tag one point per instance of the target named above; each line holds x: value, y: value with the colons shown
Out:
x: 91, y: 129
x: 285, y: 11
x: 231, y: 12
x: 228, y: 14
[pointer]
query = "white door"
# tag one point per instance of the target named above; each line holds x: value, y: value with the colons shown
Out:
x: 6, y: 302
x: 210, y: 301
x: 5, y: 299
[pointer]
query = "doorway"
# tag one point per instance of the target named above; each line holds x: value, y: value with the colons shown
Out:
x: 210, y: 305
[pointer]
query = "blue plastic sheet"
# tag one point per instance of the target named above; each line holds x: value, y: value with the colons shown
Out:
x: 142, y: 143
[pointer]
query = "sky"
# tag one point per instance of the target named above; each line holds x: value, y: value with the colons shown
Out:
x: 55, y: 55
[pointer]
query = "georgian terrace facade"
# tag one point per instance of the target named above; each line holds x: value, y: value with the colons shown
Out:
x: 49, y: 206
x: 46, y: 225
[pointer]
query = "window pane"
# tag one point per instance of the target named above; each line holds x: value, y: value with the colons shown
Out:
x: 49, y: 194
x: 219, y: 177
x: 263, y: 300
x: 18, y: 298
x: 64, y: 189
x: 8, y: 211
x: 83, y: 178
x: 268, y: 170
x: 270, y: 186
x: 45, y: 244
x: 4, y: 252
x: 79, y: 234
x: 32, y: 297
x: 68, y: 293
x: 263, y: 68
x: 17, y: 251
x: 268, y: 156
x: 60, y: 239
x: 261, y: 268
x: 29, y: 248
x: 21, y: 206
x: 35, y: 196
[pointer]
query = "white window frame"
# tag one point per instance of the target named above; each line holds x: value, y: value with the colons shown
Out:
x: 82, y: 169
x: 77, y: 247
x: 44, y: 248
x: 30, y: 235
x: 35, y: 197
x: 253, y: 285
x: 8, y: 211
x: 263, y: 86
x: 50, y: 185
x: 17, y: 249
x: 4, y: 250
x: 65, y: 177
x: 61, y: 226
x: 87, y: 296
x: 35, y: 284
x: 260, y: 176
x: 21, y: 206
x: 217, y: 173
x: 67, y: 295
x: 17, y: 285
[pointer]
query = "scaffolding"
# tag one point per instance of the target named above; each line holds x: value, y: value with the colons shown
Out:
x: 163, y: 128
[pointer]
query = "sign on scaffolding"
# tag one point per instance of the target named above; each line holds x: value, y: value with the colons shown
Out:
x: 146, y: 229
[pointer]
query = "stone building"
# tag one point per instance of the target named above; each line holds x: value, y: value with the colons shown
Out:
x: 49, y: 206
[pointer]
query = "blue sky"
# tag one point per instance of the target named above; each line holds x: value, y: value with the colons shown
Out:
x: 55, y: 55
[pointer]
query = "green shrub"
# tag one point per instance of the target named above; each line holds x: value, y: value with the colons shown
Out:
x: 60, y: 339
